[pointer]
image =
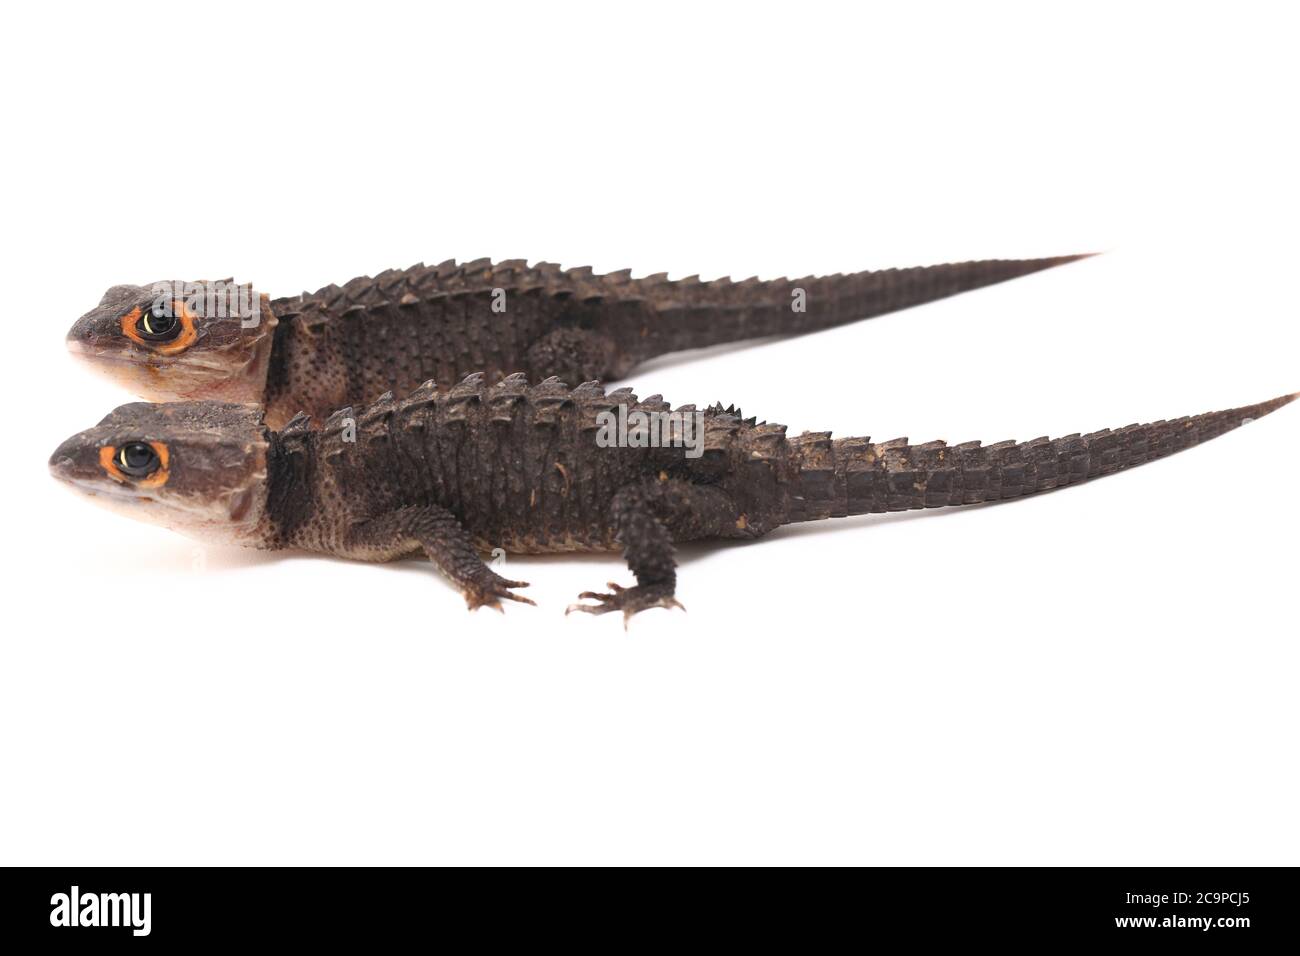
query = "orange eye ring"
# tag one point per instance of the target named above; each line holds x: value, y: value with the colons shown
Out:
x: 108, y: 461
x: 179, y: 344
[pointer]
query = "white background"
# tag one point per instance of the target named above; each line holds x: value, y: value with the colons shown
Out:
x: 1101, y: 676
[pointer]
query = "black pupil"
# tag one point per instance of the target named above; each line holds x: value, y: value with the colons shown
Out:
x: 155, y: 325
x: 137, y: 458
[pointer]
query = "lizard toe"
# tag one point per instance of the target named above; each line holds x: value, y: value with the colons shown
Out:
x: 630, y: 601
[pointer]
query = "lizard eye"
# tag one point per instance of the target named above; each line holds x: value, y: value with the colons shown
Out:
x: 137, y: 459
x: 144, y: 462
x: 163, y: 330
x: 156, y: 326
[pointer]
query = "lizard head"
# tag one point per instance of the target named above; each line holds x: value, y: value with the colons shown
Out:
x: 175, y: 340
x: 196, y: 467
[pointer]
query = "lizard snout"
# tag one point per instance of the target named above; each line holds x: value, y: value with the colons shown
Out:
x: 64, y: 461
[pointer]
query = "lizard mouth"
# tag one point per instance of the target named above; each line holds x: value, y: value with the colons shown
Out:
x: 223, y: 374
x: 114, y: 353
x: 83, y: 349
x: 67, y: 470
x: 142, y: 378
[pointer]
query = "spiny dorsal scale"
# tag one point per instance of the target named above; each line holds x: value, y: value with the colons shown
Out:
x: 458, y: 398
x: 718, y: 432
x: 380, y: 408
x: 505, y: 395
x: 928, y: 455
x: 337, y: 418
x: 814, y: 451
x: 300, y: 424
x: 376, y: 413
x: 592, y: 400
x: 455, y: 405
x: 766, y: 445
x: 422, y: 398
x: 547, y: 398
x: 427, y: 280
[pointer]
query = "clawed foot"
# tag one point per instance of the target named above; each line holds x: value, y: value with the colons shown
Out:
x: 490, y: 589
x: 628, y: 600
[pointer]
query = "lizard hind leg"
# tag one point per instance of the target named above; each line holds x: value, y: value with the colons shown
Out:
x: 437, y: 533
x: 647, y: 519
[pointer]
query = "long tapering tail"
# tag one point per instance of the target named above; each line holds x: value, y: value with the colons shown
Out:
x: 850, y: 476
x: 631, y: 320
x: 692, y: 314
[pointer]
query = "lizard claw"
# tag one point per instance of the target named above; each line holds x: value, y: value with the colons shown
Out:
x: 488, y: 593
x: 630, y: 601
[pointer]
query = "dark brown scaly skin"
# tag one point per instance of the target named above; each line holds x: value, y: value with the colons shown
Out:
x: 348, y: 344
x: 345, y: 345
x: 452, y: 472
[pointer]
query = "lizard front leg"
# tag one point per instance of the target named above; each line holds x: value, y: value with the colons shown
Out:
x: 435, y: 531
x: 647, y: 519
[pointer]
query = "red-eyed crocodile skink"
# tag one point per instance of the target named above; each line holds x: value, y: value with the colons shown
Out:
x: 453, y: 471
x: 345, y: 345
